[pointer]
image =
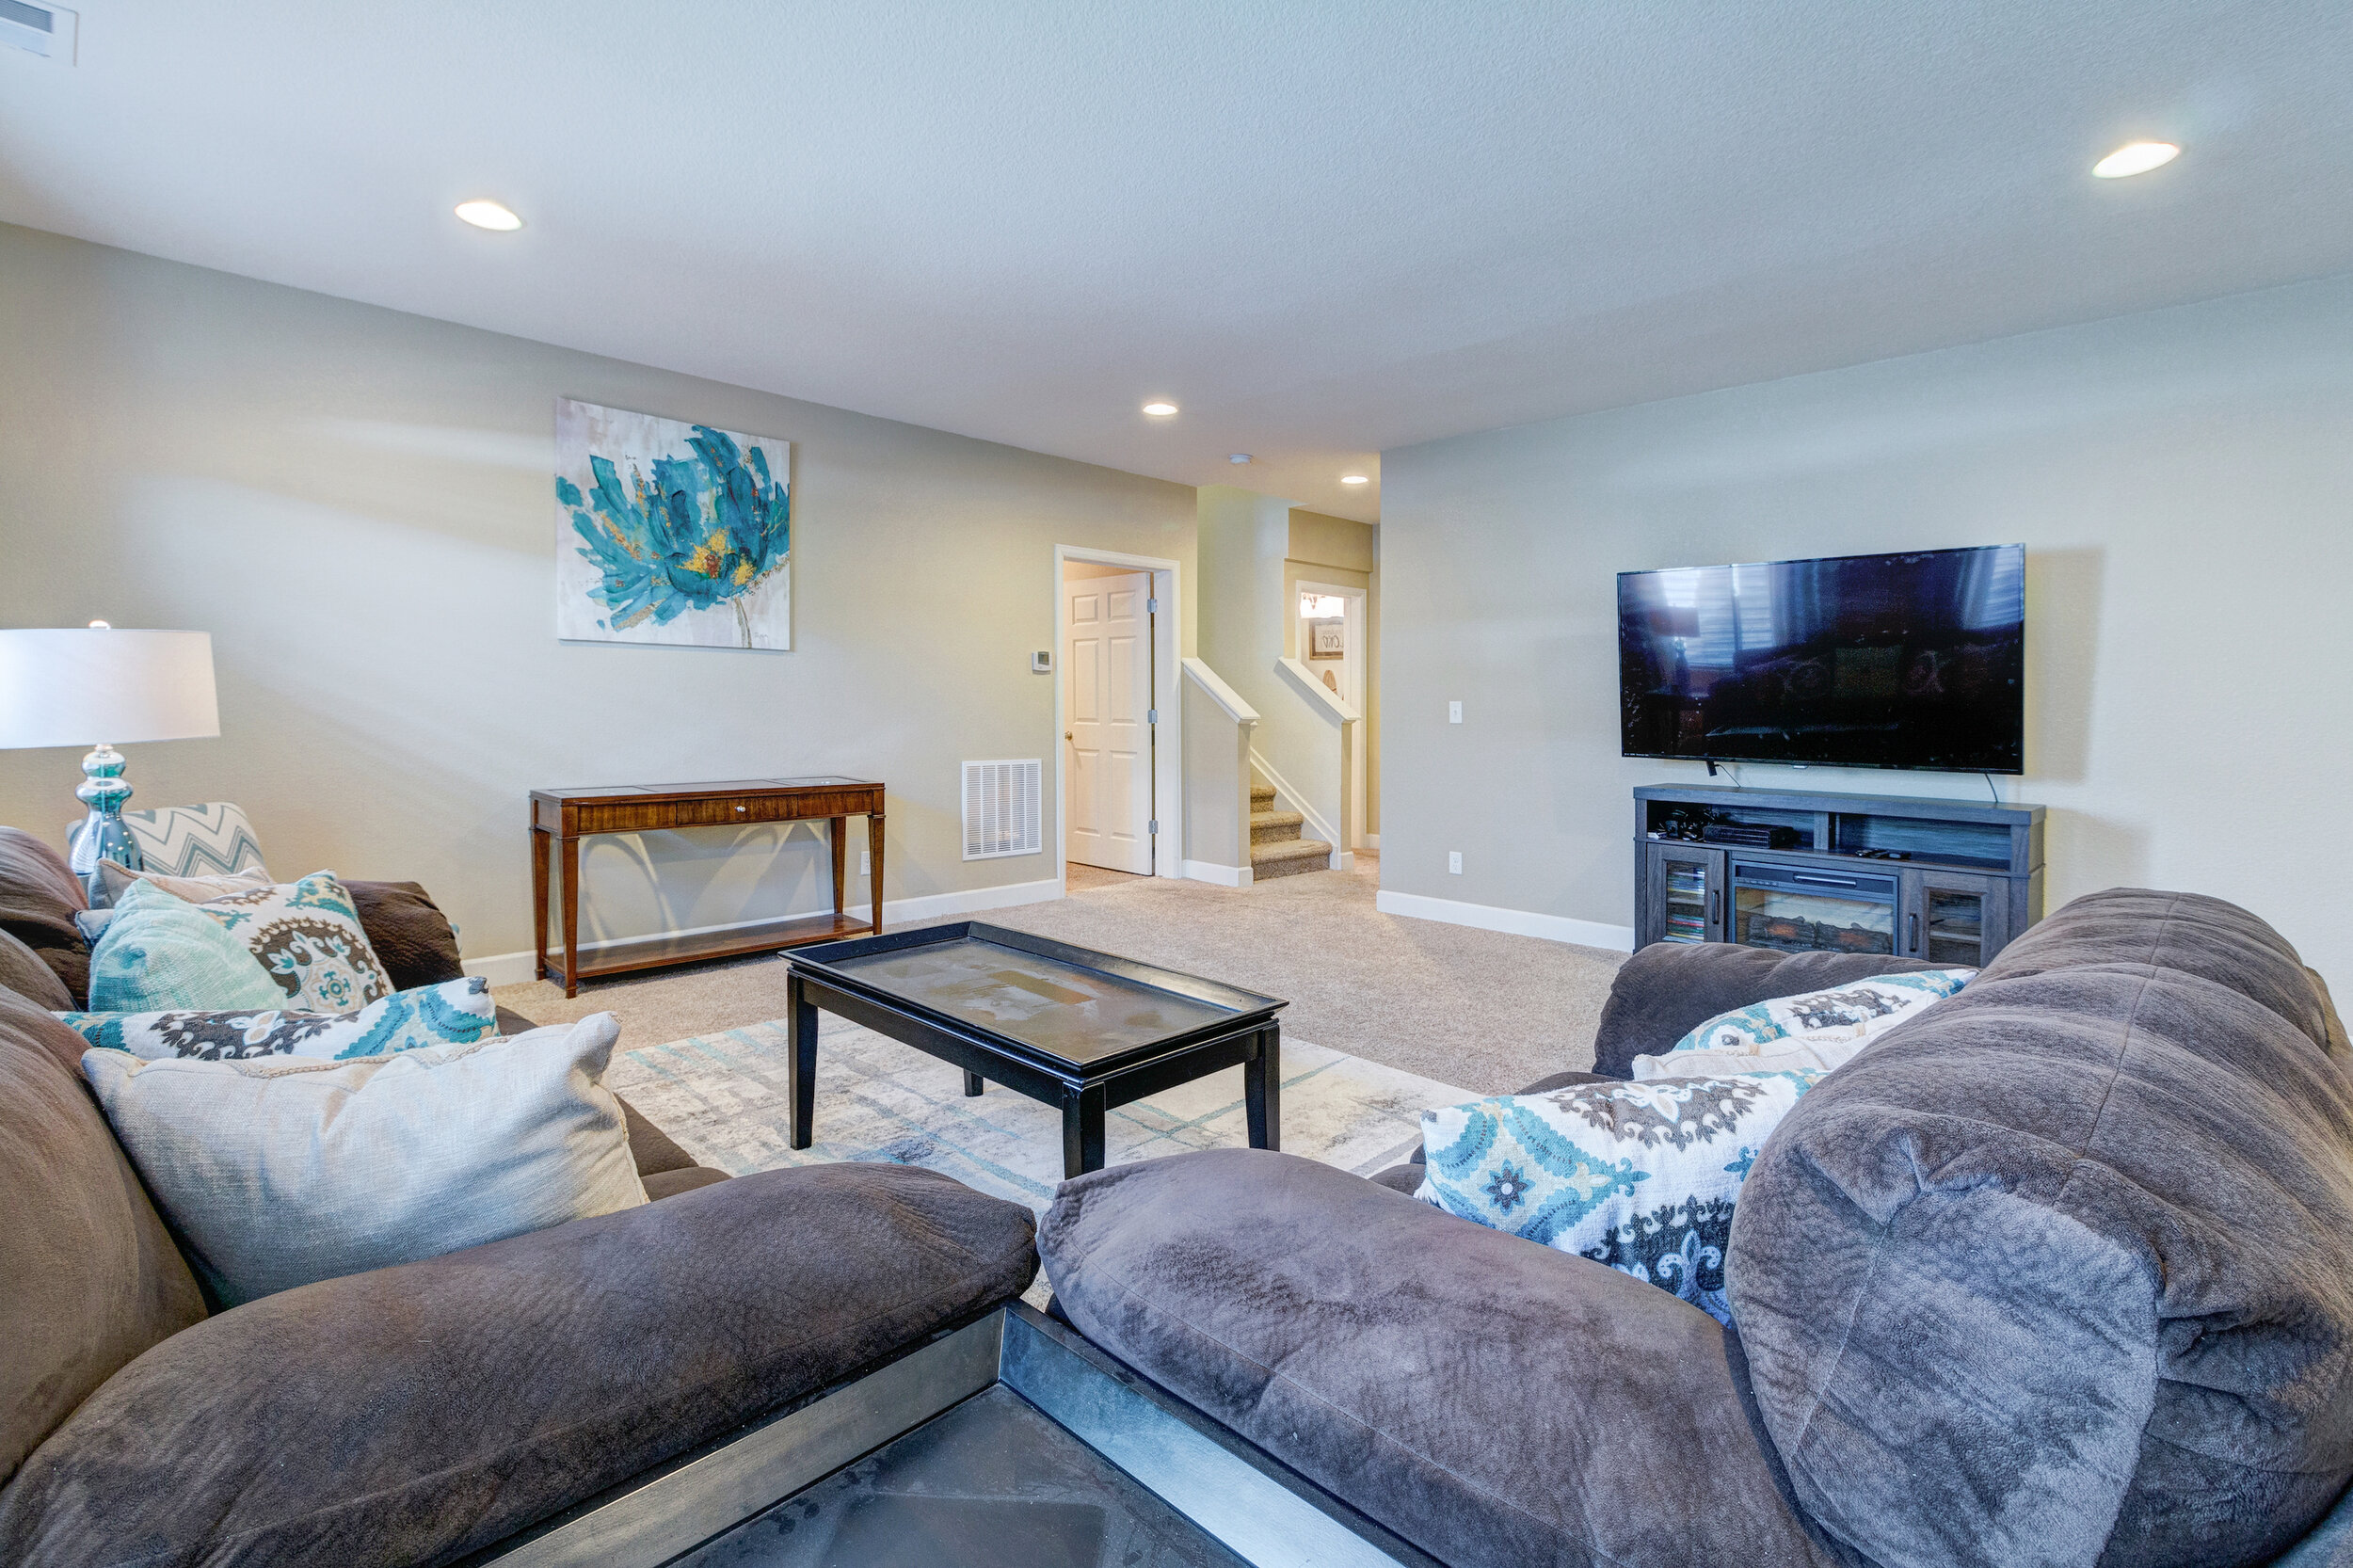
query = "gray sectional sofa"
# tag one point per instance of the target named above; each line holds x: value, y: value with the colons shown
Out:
x: 2059, y: 1273
x: 414, y: 1415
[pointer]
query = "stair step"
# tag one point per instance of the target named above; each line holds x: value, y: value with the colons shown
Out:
x: 1271, y: 827
x: 1261, y: 797
x: 1288, y: 859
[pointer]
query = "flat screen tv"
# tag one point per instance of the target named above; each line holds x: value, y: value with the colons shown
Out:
x: 1912, y: 661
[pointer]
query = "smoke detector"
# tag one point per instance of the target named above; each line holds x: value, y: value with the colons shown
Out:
x: 48, y: 31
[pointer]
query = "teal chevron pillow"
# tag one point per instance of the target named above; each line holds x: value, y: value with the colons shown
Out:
x: 160, y: 953
x: 454, y: 1013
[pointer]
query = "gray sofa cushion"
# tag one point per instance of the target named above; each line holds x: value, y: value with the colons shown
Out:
x: 89, y: 1276
x: 1496, y: 1403
x: 24, y: 972
x: 414, y: 1413
x: 2061, y: 1271
x: 1668, y: 990
x: 39, y: 899
x: 654, y: 1150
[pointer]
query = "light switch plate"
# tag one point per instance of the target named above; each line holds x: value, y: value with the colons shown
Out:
x: 1453, y: 712
x: 1454, y: 861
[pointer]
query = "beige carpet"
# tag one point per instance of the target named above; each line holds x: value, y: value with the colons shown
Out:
x: 1475, y: 1008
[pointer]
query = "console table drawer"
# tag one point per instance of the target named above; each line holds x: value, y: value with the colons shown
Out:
x: 624, y: 817
x: 841, y: 803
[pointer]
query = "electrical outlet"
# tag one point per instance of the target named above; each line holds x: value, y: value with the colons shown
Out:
x: 865, y: 862
x: 1453, y: 712
x: 1454, y: 861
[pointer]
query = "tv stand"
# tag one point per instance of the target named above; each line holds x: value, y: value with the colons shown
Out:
x: 1947, y: 881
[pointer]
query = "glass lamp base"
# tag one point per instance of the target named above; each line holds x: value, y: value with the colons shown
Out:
x: 102, y: 835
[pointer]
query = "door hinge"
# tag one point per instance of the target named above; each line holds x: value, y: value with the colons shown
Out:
x: 1151, y: 716
x: 1152, y: 826
x: 1151, y: 606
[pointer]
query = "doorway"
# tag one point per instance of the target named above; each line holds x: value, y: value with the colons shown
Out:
x: 1332, y: 643
x: 1164, y: 717
x: 1106, y: 704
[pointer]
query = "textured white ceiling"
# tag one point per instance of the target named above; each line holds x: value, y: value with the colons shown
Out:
x: 1324, y: 228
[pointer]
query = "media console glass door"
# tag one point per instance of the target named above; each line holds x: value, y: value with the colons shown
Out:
x: 1956, y: 919
x: 1687, y: 895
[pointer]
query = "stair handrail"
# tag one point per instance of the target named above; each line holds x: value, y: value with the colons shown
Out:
x: 1199, y: 673
x: 1334, y: 707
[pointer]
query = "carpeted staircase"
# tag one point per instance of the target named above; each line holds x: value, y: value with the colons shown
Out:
x: 1275, y: 847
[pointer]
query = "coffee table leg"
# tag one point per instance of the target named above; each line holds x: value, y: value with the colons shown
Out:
x: 972, y: 1084
x: 1081, y: 1130
x: 800, y: 1070
x: 1262, y: 1090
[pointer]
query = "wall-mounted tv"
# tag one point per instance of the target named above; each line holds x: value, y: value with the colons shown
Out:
x: 1912, y: 661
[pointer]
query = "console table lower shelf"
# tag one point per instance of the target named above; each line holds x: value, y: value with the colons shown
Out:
x: 1009, y: 1441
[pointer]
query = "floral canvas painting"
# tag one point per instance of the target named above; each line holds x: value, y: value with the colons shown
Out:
x: 670, y: 533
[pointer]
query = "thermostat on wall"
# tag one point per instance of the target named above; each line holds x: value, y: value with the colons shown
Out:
x: 1042, y: 661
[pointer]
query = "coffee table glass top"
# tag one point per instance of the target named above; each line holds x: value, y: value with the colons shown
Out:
x: 1063, y: 1009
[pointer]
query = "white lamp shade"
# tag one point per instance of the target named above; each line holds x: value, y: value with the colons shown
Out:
x: 77, y: 688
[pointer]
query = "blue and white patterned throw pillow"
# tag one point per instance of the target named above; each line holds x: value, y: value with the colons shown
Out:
x: 454, y: 1013
x: 1640, y: 1177
x: 307, y: 935
x: 1812, y: 1030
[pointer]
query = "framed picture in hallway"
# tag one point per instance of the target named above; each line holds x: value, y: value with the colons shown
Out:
x: 1327, y: 639
x: 670, y: 533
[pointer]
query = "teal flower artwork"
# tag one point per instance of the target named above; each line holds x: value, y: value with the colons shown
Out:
x: 670, y: 533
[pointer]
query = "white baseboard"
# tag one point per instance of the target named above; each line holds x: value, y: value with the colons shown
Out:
x: 1372, y: 841
x: 512, y: 969
x: 903, y: 912
x: 1343, y: 860
x: 1519, y: 923
x: 1224, y: 876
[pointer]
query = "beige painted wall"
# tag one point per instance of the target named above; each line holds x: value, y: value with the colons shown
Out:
x: 356, y: 504
x: 1338, y: 550
x: 2183, y: 481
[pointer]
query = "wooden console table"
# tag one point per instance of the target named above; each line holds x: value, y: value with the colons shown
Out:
x: 561, y: 818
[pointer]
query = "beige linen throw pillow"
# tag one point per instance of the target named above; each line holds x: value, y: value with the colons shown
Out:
x: 281, y: 1171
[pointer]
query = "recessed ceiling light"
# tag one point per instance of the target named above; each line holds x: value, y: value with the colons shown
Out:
x: 1355, y: 479
x: 1237, y: 456
x: 490, y: 214
x: 1159, y: 410
x: 2135, y: 157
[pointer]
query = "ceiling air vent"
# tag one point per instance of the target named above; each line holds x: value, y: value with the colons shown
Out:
x: 44, y: 30
x: 1001, y: 810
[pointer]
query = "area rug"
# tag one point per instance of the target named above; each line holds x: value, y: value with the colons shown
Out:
x: 723, y: 1097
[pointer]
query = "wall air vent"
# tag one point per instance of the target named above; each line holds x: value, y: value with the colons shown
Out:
x: 1001, y: 810
x: 45, y: 30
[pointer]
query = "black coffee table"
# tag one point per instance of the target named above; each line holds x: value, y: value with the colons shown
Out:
x: 1065, y: 1025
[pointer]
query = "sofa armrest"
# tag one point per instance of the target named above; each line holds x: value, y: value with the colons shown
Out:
x: 410, y: 933
x: 414, y: 1413
x: 1668, y: 990
x: 1493, y: 1401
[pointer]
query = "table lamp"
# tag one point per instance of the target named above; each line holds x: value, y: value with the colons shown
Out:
x: 64, y: 688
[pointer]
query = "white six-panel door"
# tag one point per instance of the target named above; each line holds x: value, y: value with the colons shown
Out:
x: 1107, y: 666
